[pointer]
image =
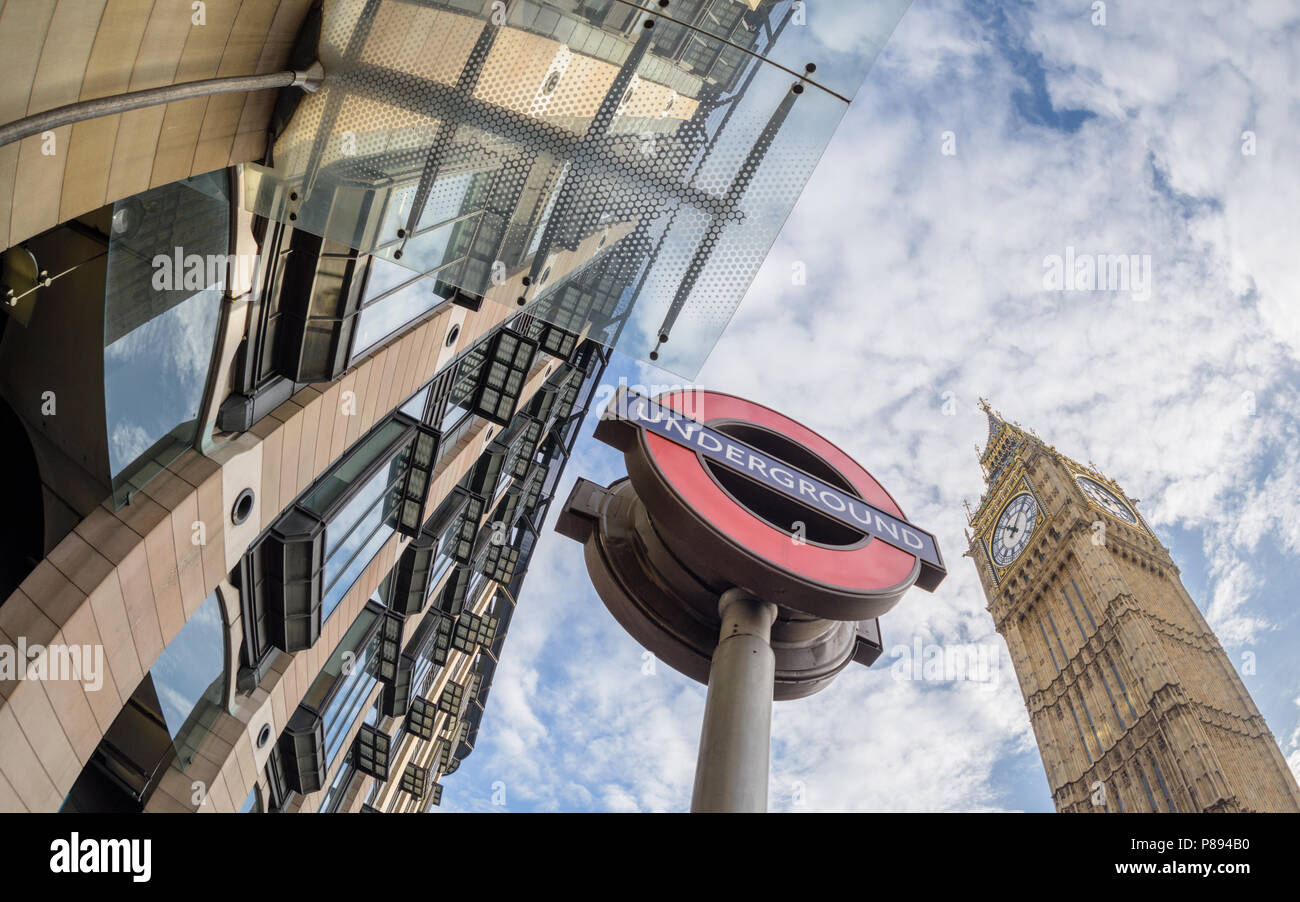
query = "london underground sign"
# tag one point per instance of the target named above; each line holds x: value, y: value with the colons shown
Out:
x: 779, y: 476
x: 747, y: 496
x: 747, y: 552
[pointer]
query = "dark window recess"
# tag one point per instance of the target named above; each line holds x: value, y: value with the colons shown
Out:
x: 487, y: 469
x: 415, y: 489
x: 279, y: 792
x: 370, y: 752
x: 302, y: 751
x: 415, y: 668
x: 559, y: 342
x: 415, y: 574
x: 435, y: 795
x: 502, y: 379
x: 453, y: 595
x: 419, y: 718
x: 260, y: 387
x: 543, y: 403
x: 459, y: 541
x: 532, y: 489
x: 321, y: 295
x: 460, y: 297
x: 286, y: 578
x: 411, y: 577
x: 390, y: 645
x: 587, y: 357
x: 125, y: 768
x: 472, y: 631
x: 503, y: 518
x: 442, y: 644
x: 499, y: 563
x: 444, y: 756
x: 396, y: 696
x: 564, y: 402
x: 458, y: 588
x: 452, y: 699
x: 414, y: 780
x: 530, y: 437
x: 370, y: 809
x: 264, y: 340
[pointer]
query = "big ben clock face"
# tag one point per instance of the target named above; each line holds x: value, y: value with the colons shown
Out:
x: 1014, y: 528
x: 1105, y: 499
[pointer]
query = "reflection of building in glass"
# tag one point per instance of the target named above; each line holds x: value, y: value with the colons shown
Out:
x: 579, y: 118
x: 286, y: 416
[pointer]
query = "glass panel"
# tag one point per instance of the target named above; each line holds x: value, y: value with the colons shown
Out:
x: 189, y: 679
x: 349, y: 645
x: 167, y: 269
x: 450, y: 197
x: 427, y: 251
x: 354, y: 536
x: 349, y: 698
x: 841, y: 39
x: 414, y: 408
x: 336, y: 482
x: 384, y: 276
x: 624, y: 173
x: 391, y: 312
x: 334, y: 795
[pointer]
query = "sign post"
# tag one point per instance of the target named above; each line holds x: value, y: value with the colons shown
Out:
x: 731, y: 770
x: 749, y: 553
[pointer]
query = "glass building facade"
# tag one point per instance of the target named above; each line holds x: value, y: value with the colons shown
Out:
x: 289, y: 411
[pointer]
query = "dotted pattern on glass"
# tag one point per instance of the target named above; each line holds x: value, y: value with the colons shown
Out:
x: 617, y: 167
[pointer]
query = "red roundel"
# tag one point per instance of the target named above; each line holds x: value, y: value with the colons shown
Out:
x: 872, y: 567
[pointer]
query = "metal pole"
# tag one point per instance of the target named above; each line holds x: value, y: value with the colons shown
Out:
x: 308, y: 80
x: 735, y: 742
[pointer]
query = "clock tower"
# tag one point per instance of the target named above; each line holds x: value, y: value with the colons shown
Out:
x: 1133, y: 701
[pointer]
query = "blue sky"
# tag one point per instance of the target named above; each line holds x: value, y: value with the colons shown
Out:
x: 924, y: 292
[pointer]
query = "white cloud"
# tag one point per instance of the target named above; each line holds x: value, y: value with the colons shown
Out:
x: 925, y: 277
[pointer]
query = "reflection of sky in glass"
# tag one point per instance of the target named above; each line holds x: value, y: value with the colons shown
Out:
x: 441, y: 564
x: 348, y: 699
x: 354, y: 535
x: 388, y: 314
x: 444, y: 202
x: 414, y: 408
x: 167, y: 258
x: 190, y: 665
x: 154, y: 377
x: 427, y: 251
x: 343, y: 474
x: 384, y: 276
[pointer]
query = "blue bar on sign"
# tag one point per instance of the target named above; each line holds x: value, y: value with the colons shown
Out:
x: 790, y: 481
